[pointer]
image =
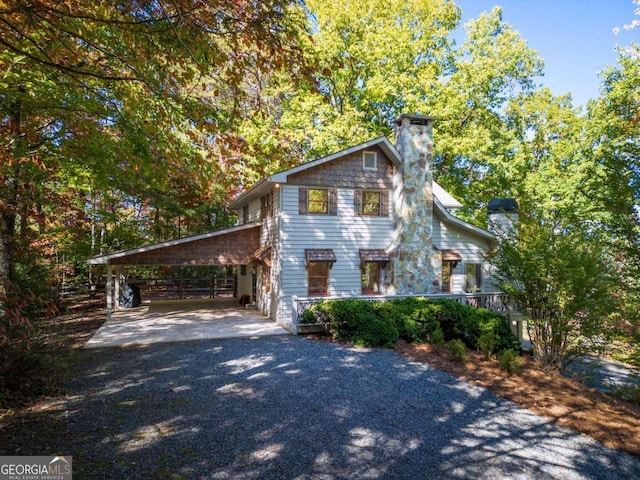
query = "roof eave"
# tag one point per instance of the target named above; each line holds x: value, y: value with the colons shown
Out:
x: 260, y: 188
x: 462, y: 223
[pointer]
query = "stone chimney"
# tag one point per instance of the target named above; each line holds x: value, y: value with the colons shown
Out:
x: 503, y: 217
x: 415, y: 263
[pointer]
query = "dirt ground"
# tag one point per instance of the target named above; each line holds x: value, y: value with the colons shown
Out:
x: 611, y: 421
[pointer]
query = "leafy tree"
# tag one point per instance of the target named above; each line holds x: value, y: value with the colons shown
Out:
x: 614, y: 146
x: 114, y: 114
x: 475, y: 148
x: 387, y: 58
x: 558, y: 277
x: 374, y: 62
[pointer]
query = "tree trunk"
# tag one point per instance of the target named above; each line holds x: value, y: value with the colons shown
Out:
x: 9, y: 173
x: 7, y: 227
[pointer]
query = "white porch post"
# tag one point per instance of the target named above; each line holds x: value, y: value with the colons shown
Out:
x: 109, y: 290
x: 116, y: 293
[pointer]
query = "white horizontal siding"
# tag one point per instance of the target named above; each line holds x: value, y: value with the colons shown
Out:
x: 472, y: 248
x: 345, y: 233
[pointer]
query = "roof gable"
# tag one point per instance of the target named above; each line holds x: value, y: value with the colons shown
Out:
x: 381, y: 142
x: 295, y: 174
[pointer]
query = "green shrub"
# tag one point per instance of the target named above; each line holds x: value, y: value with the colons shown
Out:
x: 509, y: 361
x: 437, y: 340
x: 487, y: 343
x: 451, y: 317
x: 356, y: 320
x: 409, y: 316
x: 457, y: 351
x: 415, y: 319
x: 373, y: 331
x: 308, y: 316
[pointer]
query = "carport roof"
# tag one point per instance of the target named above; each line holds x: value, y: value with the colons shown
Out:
x: 229, y: 246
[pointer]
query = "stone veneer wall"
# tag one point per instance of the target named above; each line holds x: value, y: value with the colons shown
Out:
x: 415, y: 263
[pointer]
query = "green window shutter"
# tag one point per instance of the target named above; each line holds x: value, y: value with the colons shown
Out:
x: 357, y: 201
x: 384, y: 204
x: 302, y: 201
x: 333, y: 201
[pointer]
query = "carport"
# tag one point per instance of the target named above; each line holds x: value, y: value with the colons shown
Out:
x: 230, y: 246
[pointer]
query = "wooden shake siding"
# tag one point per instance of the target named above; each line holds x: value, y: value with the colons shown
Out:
x: 345, y: 233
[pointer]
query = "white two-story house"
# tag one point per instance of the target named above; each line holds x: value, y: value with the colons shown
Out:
x: 368, y: 220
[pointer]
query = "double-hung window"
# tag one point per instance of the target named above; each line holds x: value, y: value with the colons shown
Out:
x: 371, y: 203
x: 473, y: 277
x: 318, y: 262
x: 372, y: 263
x: 318, y: 201
x: 371, y: 273
x: 318, y: 279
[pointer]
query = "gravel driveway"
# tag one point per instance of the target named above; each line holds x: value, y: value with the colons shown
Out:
x: 293, y: 408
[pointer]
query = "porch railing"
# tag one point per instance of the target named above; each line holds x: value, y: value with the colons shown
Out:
x: 495, y: 301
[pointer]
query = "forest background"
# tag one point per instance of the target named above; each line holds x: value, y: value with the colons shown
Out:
x: 127, y: 123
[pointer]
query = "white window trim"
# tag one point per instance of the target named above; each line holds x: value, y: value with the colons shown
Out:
x: 364, y: 160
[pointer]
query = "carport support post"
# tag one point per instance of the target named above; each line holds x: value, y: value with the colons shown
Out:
x: 109, y: 290
x: 116, y: 293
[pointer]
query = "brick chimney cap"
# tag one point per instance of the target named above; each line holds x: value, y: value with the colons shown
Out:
x: 415, y: 119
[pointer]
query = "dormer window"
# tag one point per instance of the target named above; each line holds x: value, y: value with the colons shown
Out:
x: 369, y: 161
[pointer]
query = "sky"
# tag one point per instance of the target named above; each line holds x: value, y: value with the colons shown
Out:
x: 574, y: 37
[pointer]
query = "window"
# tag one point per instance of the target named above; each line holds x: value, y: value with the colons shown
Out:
x: 369, y: 161
x: 266, y: 206
x: 318, y: 201
x: 450, y: 260
x: 371, y: 273
x: 473, y: 277
x: 373, y: 203
x: 447, y: 273
x: 245, y: 214
x: 318, y: 262
x: 318, y: 279
x: 266, y: 278
x: 372, y: 263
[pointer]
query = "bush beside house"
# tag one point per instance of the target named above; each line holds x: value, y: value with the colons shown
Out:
x: 380, y: 324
